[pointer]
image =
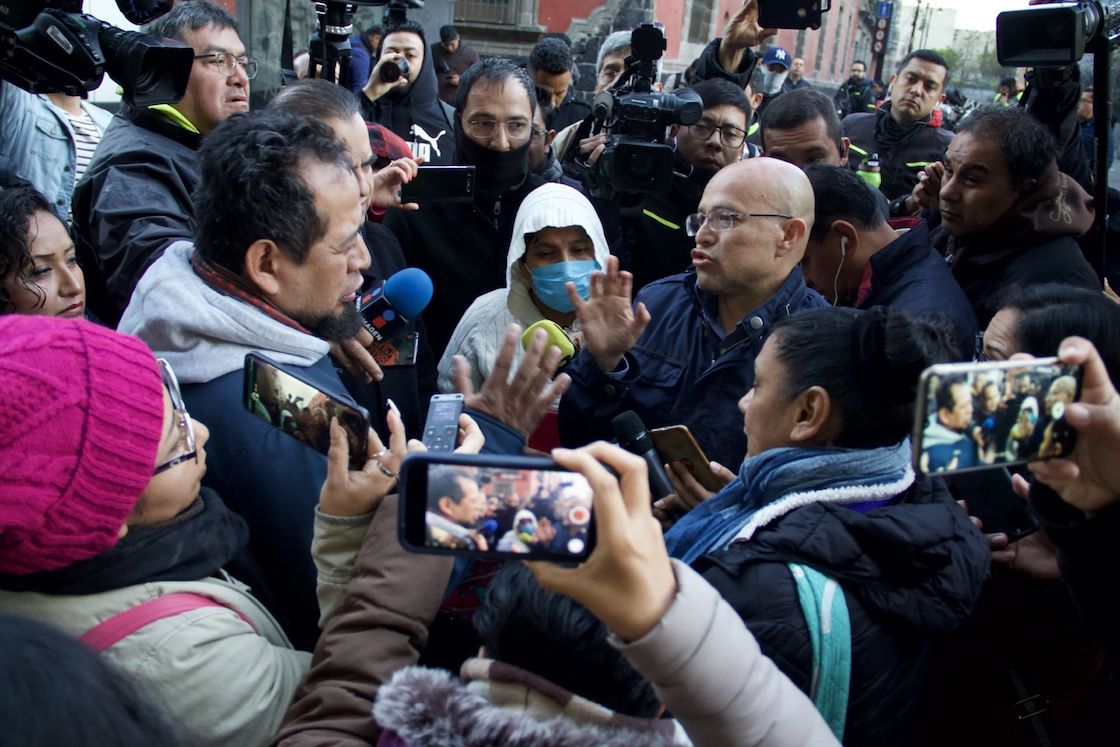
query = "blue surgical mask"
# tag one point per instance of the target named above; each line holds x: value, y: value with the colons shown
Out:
x: 550, y: 282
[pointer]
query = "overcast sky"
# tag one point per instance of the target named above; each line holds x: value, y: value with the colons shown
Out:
x: 978, y: 14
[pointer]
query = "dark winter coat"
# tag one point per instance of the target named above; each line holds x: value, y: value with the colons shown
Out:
x: 911, y: 573
x: 909, y: 274
x: 899, y: 167
x: 985, y: 273
x: 133, y: 201
x: 682, y: 371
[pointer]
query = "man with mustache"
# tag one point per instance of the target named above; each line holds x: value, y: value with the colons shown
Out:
x: 900, y: 132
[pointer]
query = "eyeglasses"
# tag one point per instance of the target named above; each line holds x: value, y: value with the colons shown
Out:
x: 517, y: 130
x: 185, y: 448
x: 729, y: 135
x: 539, y: 132
x: 723, y: 220
x: 227, y: 64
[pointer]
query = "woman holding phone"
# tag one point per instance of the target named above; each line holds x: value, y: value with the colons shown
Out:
x: 107, y: 533
x: 826, y: 506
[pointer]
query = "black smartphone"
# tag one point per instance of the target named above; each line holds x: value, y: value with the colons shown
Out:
x: 442, y: 425
x: 792, y: 14
x: 495, y: 507
x: 974, y: 416
x: 440, y: 184
x: 282, y: 399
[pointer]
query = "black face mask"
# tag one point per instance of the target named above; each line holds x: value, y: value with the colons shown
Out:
x: 497, y: 170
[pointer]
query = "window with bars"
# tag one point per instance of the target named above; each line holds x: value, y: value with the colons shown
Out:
x: 700, y: 21
x: 487, y: 11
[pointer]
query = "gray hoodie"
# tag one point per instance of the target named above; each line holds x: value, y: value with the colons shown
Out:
x: 202, y: 332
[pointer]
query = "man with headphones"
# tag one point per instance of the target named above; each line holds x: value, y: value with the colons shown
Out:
x: 856, y: 257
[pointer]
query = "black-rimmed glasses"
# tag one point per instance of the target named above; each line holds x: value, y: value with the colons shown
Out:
x: 723, y: 220
x: 185, y: 449
x: 227, y: 64
x: 729, y: 135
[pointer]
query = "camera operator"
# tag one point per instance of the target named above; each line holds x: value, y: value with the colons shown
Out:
x: 729, y: 57
x: 407, y: 104
x: 654, y: 241
x: 135, y: 198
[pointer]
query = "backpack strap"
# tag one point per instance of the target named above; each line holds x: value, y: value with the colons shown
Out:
x: 830, y: 633
x: 123, y: 624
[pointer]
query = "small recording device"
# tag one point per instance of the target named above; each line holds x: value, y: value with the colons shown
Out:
x: 442, y: 426
x: 495, y: 507
x: 676, y: 444
x: 440, y: 184
x: 792, y: 14
x: 992, y: 499
x: 637, y: 159
x: 975, y: 416
x: 282, y: 399
x: 393, y: 70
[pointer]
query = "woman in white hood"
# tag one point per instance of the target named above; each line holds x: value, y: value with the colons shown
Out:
x: 557, y: 238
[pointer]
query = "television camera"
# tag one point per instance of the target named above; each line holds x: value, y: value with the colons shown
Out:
x: 635, y: 117
x: 50, y: 46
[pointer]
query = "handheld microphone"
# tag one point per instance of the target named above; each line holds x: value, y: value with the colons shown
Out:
x: 390, y: 305
x: 632, y: 436
x: 556, y: 338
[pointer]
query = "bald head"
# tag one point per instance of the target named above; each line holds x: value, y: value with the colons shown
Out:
x: 773, y: 186
x: 772, y: 205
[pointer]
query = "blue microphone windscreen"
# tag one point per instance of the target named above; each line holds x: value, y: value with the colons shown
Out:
x: 409, y: 291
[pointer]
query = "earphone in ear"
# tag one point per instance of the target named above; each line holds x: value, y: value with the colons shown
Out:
x: 843, y: 247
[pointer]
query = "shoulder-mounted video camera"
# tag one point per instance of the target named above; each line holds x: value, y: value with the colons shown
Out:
x: 331, y: 43
x: 636, y: 119
x: 50, y: 46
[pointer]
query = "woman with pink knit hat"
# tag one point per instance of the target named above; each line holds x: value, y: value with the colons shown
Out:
x: 106, y: 533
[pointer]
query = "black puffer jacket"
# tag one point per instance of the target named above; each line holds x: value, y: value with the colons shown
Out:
x: 911, y: 573
x: 899, y: 165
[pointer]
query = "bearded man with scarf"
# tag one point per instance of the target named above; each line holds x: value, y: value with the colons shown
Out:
x: 827, y: 488
x: 1009, y: 216
x: 901, y: 132
x: 463, y: 245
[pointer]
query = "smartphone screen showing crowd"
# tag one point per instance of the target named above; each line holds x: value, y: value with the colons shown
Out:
x: 973, y: 416
x: 497, y: 507
x: 283, y: 400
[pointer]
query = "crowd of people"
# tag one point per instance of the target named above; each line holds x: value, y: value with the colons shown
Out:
x: 176, y: 568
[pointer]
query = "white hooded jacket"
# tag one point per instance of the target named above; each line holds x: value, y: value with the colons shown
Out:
x: 479, y: 334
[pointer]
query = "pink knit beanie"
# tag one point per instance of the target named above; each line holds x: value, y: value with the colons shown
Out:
x: 81, y: 415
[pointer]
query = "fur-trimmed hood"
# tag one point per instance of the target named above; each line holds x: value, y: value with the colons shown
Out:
x: 501, y: 704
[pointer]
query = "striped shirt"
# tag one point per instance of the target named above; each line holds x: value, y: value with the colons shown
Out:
x: 86, y: 138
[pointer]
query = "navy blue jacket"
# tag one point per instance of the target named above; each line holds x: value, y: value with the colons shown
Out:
x: 683, y: 370
x: 909, y: 274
